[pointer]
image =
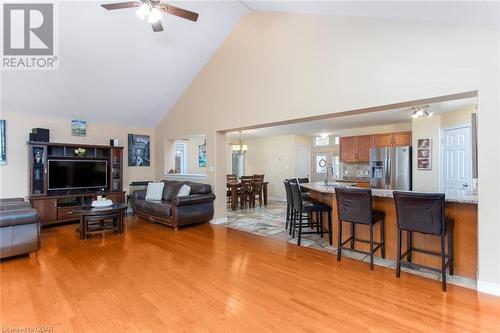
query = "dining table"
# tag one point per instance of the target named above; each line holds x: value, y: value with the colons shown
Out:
x: 235, y: 186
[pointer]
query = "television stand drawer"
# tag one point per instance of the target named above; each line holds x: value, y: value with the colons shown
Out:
x: 66, y: 213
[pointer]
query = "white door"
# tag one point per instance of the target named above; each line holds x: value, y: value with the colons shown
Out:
x: 302, y: 161
x: 457, y: 162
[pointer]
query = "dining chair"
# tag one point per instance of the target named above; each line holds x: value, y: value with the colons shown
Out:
x: 245, y: 194
x: 257, y: 185
x: 230, y: 179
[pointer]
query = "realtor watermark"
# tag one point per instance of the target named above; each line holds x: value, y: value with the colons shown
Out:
x: 30, y: 36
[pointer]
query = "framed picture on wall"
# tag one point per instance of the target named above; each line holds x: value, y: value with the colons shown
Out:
x: 78, y: 128
x: 138, y: 150
x: 424, y: 157
x: 202, y: 155
x: 3, y: 143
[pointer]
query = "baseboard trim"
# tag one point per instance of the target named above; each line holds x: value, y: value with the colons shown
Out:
x: 221, y: 220
x: 278, y: 199
x: 488, y: 288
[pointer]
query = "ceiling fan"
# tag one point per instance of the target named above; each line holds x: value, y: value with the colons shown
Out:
x: 153, y: 9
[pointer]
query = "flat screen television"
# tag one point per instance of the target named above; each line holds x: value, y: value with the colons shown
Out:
x: 77, y: 174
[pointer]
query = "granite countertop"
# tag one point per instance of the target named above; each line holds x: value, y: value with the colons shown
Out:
x: 382, y: 193
x: 353, y: 179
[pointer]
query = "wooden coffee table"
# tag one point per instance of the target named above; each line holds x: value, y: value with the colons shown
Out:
x: 100, y: 220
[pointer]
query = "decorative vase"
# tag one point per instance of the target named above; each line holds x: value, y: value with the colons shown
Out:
x: 80, y: 152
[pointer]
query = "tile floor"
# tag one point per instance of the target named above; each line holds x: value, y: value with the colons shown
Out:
x: 269, y: 221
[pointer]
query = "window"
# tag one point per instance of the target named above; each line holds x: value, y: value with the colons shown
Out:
x: 318, y: 168
x: 336, y: 165
x: 336, y: 140
x: 322, y: 141
x: 237, y: 164
x: 180, y: 157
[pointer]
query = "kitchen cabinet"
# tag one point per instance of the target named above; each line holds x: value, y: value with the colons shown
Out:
x: 392, y: 139
x: 383, y: 140
x: 348, y: 149
x: 356, y: 148
x: 364, y: 143
x: 402, y: 139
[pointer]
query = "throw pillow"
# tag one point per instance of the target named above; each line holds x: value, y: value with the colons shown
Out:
x: 155, y: 191
x: 184, y: 191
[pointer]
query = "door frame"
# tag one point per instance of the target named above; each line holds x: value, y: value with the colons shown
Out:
x: 441, y: 177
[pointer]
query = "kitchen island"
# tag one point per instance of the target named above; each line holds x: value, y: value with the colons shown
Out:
x: 463, y: 210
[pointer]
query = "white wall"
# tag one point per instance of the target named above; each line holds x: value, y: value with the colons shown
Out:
x: 426, y: 128
x: 275, y: 67
x: 192, y: 150
x: 14, y: 175
x: 274, y: 157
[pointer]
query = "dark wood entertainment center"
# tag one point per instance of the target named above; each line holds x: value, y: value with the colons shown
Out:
x: 57, y: 206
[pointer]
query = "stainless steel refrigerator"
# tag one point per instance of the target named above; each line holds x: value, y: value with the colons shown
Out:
x: 390, y: 168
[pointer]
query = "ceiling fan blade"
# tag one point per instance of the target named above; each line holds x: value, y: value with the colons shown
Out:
x: 121, y: 5
x: 186, y: 14
x: 157, y: 26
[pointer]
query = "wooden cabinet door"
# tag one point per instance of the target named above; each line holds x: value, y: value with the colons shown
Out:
x: 363, y: 145
x: 47, y: 209
x: 118, y: 197
x: 348, y: 149
x: 402, y: 139
x: 383, y: 140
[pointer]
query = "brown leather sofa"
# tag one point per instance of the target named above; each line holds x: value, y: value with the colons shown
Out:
x: 19, y: 228
x: 198, y: 207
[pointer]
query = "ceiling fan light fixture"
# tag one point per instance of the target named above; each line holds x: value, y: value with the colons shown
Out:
x: 155, y: 15
x: 143, y: 11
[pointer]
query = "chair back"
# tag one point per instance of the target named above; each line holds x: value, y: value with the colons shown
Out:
x: 288, y: 192
x: 246, y: 183
x: 421, y: 212
x: 354, y: 204
x: 296, y: 198
x: 231, y: 178
x: 258, y: 182
x: 304, y: 180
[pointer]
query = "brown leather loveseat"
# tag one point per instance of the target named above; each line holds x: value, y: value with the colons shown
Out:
x: 174, y: 211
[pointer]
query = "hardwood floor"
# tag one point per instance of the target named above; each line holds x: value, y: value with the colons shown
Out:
x: 211, y: 279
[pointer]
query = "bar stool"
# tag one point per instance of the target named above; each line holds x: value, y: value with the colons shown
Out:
x: 354, y: 205
x: 289, y: 203
x: 423, y: 213
x: 303, y: 209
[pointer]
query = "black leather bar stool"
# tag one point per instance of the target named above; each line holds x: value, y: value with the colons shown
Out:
x: 304, y: 192
x: 423, y: 213
x: 302, y: 211
x: 289, y: 203
x: 354, y: 205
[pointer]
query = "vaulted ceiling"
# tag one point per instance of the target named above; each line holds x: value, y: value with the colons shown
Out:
x: 113, y: 68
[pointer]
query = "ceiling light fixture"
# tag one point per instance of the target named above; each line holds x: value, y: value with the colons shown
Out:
x: 143, y: 11
x: 239, y: 149
x: 421, y: 111
x: 154, y: 16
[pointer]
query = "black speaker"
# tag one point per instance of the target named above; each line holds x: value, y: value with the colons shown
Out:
x: 40, y: 134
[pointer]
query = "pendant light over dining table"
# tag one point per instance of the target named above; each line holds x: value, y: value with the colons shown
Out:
x: 240, y: 148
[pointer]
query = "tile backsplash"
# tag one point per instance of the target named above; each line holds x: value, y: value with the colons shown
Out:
x: 356, y: 170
